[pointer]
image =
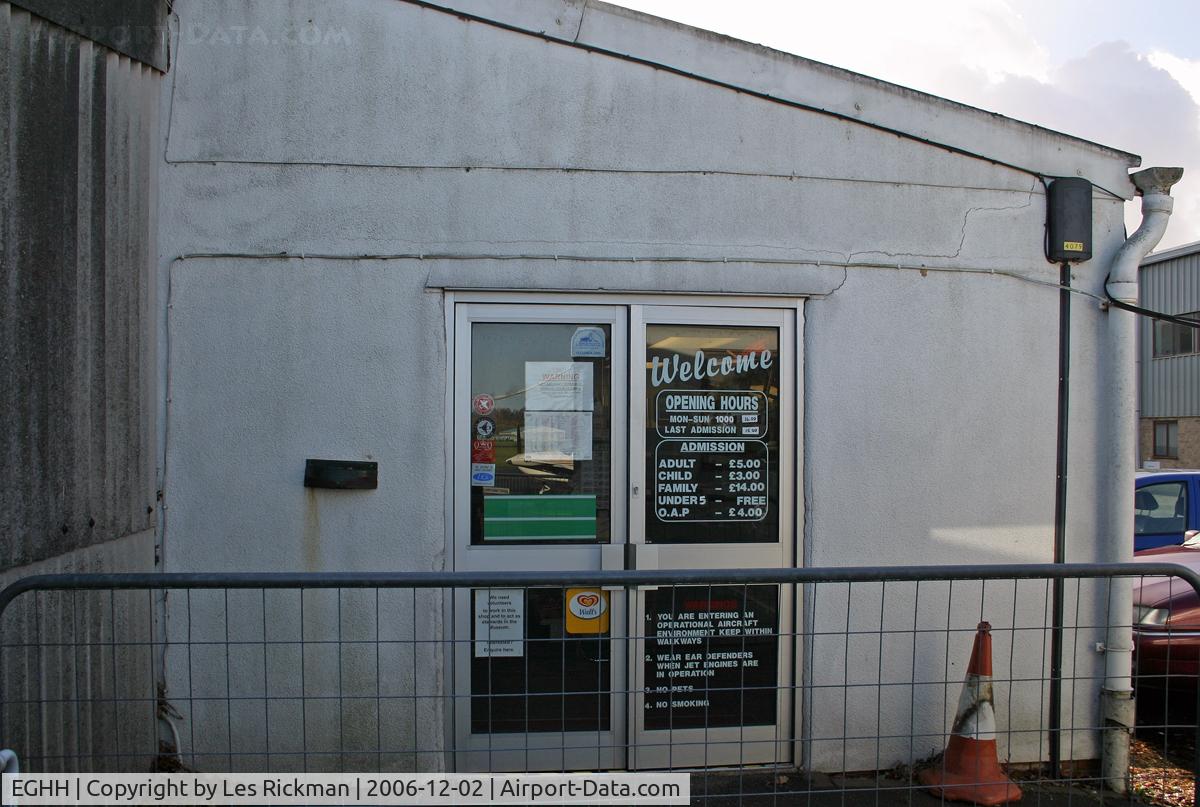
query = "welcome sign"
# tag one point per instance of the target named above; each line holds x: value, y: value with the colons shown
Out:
x: 712, y: 451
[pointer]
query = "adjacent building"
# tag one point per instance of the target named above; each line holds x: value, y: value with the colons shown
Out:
x: 1169, y: 360
x: 80, y: 86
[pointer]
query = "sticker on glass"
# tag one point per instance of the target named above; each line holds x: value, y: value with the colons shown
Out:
x: 485, y: 428
x: 541, y: 517
x: 483, y: 474
x: 483, y: 451
x: 483, y: 404
x: 588, y: 342
x: 587, y: 610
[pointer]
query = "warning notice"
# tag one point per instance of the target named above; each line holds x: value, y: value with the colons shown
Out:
x: 711, y: 657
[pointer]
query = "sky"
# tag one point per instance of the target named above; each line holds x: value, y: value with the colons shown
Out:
x: 1117, y: 72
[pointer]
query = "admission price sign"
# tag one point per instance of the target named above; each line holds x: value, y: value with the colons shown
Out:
x: 711, y: 480
x: 712, y: 449
x: 711, y: 656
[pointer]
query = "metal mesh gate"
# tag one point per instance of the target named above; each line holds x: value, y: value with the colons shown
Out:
x: 348, y: 672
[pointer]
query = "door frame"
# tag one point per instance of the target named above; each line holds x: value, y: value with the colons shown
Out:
x: 514, y: 751
x: 720, y: 745
x: 799, y: 472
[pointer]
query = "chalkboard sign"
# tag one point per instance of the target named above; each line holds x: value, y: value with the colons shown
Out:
x: 711, y: 657
x: 712, y: 450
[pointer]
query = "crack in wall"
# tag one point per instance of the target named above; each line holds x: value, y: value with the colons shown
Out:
x: 579, y: 28
x: 962, y: 236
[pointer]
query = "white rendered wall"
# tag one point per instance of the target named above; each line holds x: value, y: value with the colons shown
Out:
x: 929, y: 395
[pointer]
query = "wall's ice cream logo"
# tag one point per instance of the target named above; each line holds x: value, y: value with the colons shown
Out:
x: 588, y: 605
x: 587, y: 610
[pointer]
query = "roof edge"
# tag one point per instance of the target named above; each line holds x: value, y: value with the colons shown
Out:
x: 1174, y: 252
x: 704, y: 55
x: 1134, y: 160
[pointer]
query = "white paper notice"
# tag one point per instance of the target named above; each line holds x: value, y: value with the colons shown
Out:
x: 499, y: 622
x: 558, y: 436
x: 560, y: 386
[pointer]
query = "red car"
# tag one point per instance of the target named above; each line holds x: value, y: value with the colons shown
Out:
x: 1166, y: 623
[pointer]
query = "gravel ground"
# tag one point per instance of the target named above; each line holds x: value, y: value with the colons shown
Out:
x: 1163, y: 778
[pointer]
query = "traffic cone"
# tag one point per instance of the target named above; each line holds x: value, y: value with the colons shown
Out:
x: 970, y: 769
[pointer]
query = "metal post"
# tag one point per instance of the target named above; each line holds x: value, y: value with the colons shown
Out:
x: 1060, y: 517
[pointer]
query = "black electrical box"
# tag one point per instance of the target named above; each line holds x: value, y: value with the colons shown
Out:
x: 341, y: 474
x: 1069, y: 220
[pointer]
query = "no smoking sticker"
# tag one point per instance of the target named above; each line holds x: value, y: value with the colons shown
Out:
x: 483, y: 404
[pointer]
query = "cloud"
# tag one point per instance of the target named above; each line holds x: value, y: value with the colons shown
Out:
x: 1115, y: 96
x: 986, y: 53
x: 884, y: 39
x: 1185, y: 71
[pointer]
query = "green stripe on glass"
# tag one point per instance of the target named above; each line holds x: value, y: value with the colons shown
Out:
x: 539, y: 528
x: 538, y: 506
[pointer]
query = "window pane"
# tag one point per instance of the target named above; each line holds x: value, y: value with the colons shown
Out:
x: 1174, y: 339
x: 1160, y: 338
x: 712, y: 434
x: 1160, y: 508
x: 1166, y: 438
x: 541, y: 432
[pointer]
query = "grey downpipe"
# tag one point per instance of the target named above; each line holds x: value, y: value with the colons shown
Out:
x: 1116, y: 544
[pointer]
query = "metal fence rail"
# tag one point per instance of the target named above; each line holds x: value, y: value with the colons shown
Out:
x: 848, y: 690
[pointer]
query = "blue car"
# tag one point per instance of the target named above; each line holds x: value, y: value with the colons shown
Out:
x: 1166, y: 508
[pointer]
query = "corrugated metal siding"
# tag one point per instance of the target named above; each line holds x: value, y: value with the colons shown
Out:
x: 85, y: 699
x: 135, y: 28
x: 1170, y: 385
x: 78, y: 124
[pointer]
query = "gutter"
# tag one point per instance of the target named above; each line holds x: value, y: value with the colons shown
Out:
x: 1116, y: 544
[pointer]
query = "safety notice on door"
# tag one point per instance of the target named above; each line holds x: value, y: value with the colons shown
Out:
x: 558, y: 386
x: 712, y: 656
x: 499, y: 622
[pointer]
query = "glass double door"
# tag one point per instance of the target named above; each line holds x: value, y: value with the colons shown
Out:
x: 590, y: 437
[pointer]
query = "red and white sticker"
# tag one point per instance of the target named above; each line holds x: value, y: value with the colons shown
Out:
x: 483, y: 404
x: 483, y: 451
